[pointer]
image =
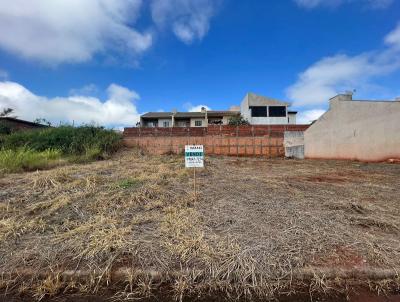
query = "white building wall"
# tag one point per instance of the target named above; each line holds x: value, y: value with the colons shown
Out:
x: 161, y: 122
x: 254, y: 100
x: 244, y: 108
x: 292, y: 119
x: 268, y: 120
x: 356, y: 130
x: 193, y: 122
x: 225, y: 120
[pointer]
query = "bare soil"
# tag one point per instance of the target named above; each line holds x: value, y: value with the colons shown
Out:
x: 131, y: 227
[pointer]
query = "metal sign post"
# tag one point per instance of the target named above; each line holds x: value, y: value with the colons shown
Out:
x: 194, y: 184
x: 194, y: 158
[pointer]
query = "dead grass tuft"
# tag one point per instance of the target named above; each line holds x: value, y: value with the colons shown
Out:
x: 254, y: 226
x: 98, y: 237
x: 13, y: 228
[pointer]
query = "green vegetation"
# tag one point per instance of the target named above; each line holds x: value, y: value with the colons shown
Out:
x: 128, y: 183
x: 69, y: 140
x: 42, y: 121
x: 30, y: 150
x: 27, y: 159
x: 4, y: 129
x: 238, y: 121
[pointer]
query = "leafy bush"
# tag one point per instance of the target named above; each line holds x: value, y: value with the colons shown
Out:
x: 238, y: 121
x: 27, y: 159
x: 4, y: 129
x: 40, y: 149
x: 87, y: 141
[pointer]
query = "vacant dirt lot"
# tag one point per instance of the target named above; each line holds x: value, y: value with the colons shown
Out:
x: 130, y: 228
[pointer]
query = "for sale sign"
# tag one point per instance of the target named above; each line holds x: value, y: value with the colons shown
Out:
x: 194, y: 156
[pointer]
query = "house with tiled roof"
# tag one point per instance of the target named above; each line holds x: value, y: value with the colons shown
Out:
x: 256, y: 109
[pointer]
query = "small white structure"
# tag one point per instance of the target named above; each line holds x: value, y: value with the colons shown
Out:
x: 294, y: 144
x: 356, y: 130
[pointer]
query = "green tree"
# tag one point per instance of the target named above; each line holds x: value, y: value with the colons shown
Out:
x: 42, y: 121
x: 6, y: 112
x: 238, y: 121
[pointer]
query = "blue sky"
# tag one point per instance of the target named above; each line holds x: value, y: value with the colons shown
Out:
x: 109, y: 61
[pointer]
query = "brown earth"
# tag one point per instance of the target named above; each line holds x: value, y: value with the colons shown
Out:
x: 258, y: 229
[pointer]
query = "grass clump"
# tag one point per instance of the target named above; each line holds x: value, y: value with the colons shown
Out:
x: 88, y: 141
x: 25, y: 159
x: 32, y: 150
x: 128, y: 183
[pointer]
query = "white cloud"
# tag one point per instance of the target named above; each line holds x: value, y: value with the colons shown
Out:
x: 379, y: 4
x: 393, y: 38
x: 308, y: 116
x: 58, y: 31
x: 331, y: 75
x: 194, y: 108
x: 118, y: 110
x: 374, y: 4
x: 70, y: 31
x: 188, y: 19
x: 315, y: 3
x: 89, y: 89
x: 197, y: 108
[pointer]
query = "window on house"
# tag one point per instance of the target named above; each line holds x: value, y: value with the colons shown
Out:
x: 198, y: 123
x: 258, y: 111
x: 277, y: 111
x: 166, y: 124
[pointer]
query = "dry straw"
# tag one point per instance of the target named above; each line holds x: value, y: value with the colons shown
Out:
x: 130, y: 228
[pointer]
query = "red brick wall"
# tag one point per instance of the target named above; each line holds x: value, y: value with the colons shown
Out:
x: 219, y: 140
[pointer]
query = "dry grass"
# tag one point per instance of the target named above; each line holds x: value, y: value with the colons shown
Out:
x: 254, y: 226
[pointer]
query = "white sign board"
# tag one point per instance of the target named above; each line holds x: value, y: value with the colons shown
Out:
x: 194, y: 156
